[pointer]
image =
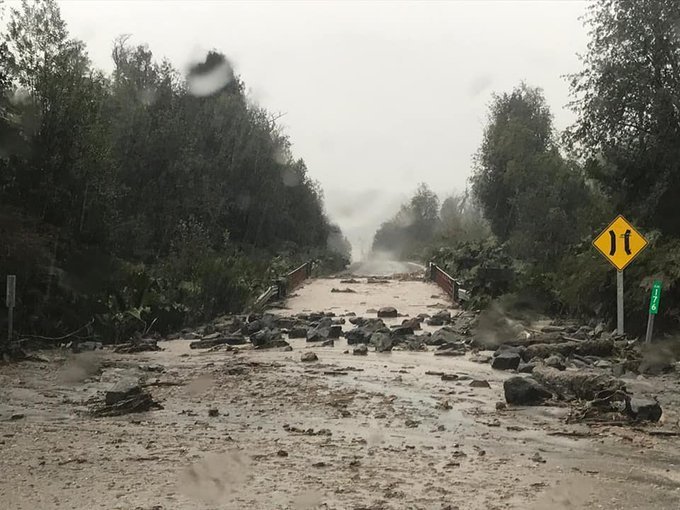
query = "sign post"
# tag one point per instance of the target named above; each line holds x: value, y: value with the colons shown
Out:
x: 10, y: 301
x: 654, y: 300
x: 620, y: 243
x: 619, y: 302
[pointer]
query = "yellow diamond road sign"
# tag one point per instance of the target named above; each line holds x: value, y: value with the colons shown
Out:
x: 620, y: 243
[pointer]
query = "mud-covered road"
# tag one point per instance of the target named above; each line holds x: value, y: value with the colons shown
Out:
x: 382, y: 431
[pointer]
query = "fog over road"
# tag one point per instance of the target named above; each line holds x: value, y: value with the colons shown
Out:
x: 384, y: 267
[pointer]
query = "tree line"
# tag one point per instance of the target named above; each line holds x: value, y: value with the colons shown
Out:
x: 544, y: 195
x: 141, y: 196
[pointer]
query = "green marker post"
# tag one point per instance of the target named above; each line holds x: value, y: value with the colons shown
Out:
x: 654, y: 301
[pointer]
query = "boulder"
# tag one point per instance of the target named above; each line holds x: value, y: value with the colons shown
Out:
x: 298, y: 332
x: 555, y: 361
x: 526, y: 368
x: 219, y: 340
x: 445, y: 335
x: 413, y: 323
x: 335, y: 331
x: 388, y: 311
x: 308, y: 357
x: 519, y: 349
x: 265, y: 336
x: 358, y: 335
x: 450, y: 351
x: 360, y: 350
x: 318, y: 334
x: 521, y: 390
x: 644, y: 409
x: 402, y: 330
x: 506, y: 361
x: 434, y: 321
x: 381, y: 341
x: 122, y: 390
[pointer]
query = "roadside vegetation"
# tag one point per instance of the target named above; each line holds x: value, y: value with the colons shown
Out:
x: 142, y: 198
x: 537, y: 197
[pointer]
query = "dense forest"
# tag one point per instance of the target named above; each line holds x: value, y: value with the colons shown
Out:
x: 543, y: 195
x: 140, y: 199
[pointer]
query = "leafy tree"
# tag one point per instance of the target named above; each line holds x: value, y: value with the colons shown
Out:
x: 627, y: 99
x: 412, y: 228
x: 532, y: 197
x: 142, y: 197
x: 519, y: 130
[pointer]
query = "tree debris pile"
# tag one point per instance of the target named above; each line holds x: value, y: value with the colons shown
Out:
x: 126, y: 396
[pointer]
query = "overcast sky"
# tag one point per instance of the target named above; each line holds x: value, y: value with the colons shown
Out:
x: 377, y: 96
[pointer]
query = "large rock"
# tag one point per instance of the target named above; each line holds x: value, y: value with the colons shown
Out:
x: 445, y: 335
x: 388, y: 311
x: 524, y: 391
x: 298, y: 332
x: 218, y: 339
x: 506, y: 361
x: 555, y: 361
x: 381, y: 341
x: 122, y: 390
x: 518, y: 349
x: 402, y: 330
x: 309, y: 356
x: 264, y: 337
x: 644, y: 409
x: 335, y: 331
x: 358, y: 335
x: 360, y: 350
x: 413, y: 323
x: 318, y: 334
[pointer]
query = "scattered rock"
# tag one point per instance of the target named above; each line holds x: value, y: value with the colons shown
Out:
x: 506, y: 361
x: 381, y: 341
x: 309, y: 356
x: 344, y: 291
x: 213, y: 413
x: 282, y: 453
x: 526, y: 368
x: 328, y: 343
x: 524, y: 391
x: 360, y: 350
x: 537, y: 458
x: 136, y: 345
x: 451, y: 351
x: 480, y: 383
x: 555, y: 361
x: 297, y: 332
x: 125, y: 397
x: 388, y: 311
x: 644, y: 409
x: 217, y: 339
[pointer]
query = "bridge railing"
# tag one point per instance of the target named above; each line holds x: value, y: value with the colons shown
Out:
x: 447, y: 283
x: 283, y: 286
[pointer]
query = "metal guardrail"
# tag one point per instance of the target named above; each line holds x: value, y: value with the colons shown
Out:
x: 284, y: 285
x: 447, y: 283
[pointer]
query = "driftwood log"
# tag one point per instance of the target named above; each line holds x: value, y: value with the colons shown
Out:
x: 581, y: 385
x: 596, y: 347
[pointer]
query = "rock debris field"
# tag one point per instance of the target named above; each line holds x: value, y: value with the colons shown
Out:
x: 356, y: 393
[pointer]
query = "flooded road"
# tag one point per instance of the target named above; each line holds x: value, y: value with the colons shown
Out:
x: 381, y: 431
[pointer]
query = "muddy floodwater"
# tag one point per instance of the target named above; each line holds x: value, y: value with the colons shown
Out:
x: 259, y: 429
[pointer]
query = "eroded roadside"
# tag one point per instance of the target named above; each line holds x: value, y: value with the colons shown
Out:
x: 244, y: 428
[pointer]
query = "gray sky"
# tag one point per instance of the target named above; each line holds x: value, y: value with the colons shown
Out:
x: 377, y: 96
